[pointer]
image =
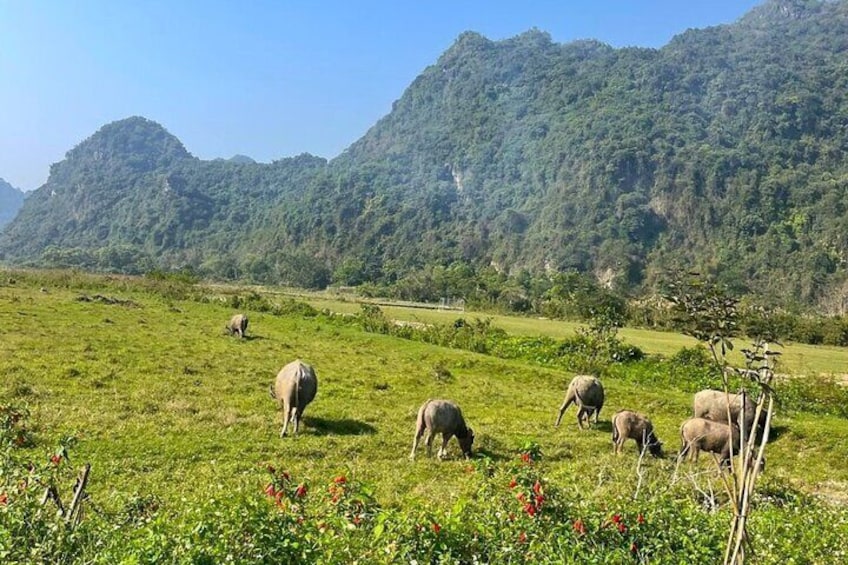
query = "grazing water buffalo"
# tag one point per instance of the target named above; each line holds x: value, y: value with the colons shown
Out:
x: 631, y: 425
x: 294, y: 389
x: 237, y: 325
x: 712, y: 405
x: 445, y: 417
x: 587, y: 393
x: 698, y: 434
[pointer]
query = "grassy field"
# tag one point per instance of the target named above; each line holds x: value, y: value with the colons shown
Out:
x: 797, y: 358
x: 163, y: 402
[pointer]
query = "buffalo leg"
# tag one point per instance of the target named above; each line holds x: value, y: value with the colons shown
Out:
x: 418, y: 434
x: 444, y: 449
x: 285, y: 420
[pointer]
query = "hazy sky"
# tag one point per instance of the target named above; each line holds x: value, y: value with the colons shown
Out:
x: 268, y: 79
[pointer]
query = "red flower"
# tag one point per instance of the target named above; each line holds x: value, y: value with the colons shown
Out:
x: 340, y: 480
x: 522, y: 538
x: 616, y: 519
x: 513, y: 483
x: 634, y: 548
x: 4, y: 499
x: 56, y: 459
x: 520, y: 496
x: 640, y: 518
x: 357, y: 520
x: 579, y: 527
x: 539, y: 501
x: 270, y: 490
x: 436, y: 528
x: 301, y: 491
x: 621, y: 527
x: 526, y: 457
x: 537, y: 488
x: 530, y: 509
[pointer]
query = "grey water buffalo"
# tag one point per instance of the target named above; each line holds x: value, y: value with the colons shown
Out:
x: 627, y: 424
x: 700, y: 434
x: 713, y: 404
x: 444, y: 417
x: 237, y: 325
x: 587, y: 393
x: 294, y: 389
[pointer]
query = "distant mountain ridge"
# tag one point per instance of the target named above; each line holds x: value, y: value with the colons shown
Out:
x: 725, y: 151
x: 11, y: 200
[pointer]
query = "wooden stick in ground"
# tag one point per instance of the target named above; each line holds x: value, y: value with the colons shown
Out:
x: 78, y: 492
x: 50, y: 493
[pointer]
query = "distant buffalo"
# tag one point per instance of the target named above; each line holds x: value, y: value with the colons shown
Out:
x: 631, y: 425
x: 587, y: 393
x: 712, y: 405
x: 294, y: 389
x: 237, y: 325
x: 444, y: 417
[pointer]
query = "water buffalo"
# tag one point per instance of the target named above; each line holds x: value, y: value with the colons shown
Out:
x: 712, y: 405
x: 631, y: 425
x: 237, y: 325
x: 587, y: 393
x: 699, y: 434
x: 294, y: 389
x: 445, y: 417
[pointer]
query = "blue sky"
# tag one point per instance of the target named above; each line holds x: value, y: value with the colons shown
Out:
x: 268, y: 79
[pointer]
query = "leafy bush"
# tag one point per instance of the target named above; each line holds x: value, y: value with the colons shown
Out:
x: 259, y: 303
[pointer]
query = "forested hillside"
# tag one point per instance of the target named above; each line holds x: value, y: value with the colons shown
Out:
x: 11, y: 200
x: 726, y: 151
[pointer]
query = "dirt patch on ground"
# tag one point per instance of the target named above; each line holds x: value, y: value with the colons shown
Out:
x: 834, y: 492
x: 840, y: 378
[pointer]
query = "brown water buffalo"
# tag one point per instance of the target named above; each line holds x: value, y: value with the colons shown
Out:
x: 712, y: 405
x: 237, y: 325
x: 444, y: 417
x: 294, y: 389
x: 632, y: 425
x: 700, y: 434
x: 587, y: 393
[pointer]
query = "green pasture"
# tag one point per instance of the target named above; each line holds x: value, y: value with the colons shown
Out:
x: 162, y: 401
x: 164, y: 404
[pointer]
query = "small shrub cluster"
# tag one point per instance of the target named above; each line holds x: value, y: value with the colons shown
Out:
x: 588, y: 351
x: 14, y: 431
x: 477, y: 335
x: 258, y: 303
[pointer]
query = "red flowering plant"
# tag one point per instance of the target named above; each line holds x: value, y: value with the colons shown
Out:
x: 352, y: 500
x: 13, y: 429
x: 286, y: 493
x: 30, y: 482
x: 619, y: 530
x: 530, y: 453
x: 536, y: 505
